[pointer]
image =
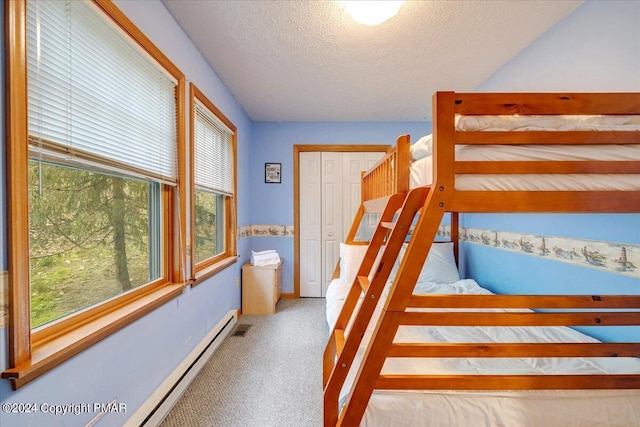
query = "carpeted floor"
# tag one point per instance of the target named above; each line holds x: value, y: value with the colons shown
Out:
x: 271, y: 377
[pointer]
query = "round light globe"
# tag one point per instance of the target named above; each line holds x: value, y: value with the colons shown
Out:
x: 372, y: 12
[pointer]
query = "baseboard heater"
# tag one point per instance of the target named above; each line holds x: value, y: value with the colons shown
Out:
x: 156, y: 408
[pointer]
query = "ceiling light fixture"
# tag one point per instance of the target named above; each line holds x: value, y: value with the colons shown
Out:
x: 372, y: 12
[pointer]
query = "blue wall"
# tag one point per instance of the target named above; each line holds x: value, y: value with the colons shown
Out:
x: 594, y: 49
x: 273, y: 142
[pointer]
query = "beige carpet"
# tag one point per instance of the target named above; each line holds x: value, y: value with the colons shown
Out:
x: 271, y: 377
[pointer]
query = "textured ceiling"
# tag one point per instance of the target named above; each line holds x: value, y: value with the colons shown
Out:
x: 308, y: 61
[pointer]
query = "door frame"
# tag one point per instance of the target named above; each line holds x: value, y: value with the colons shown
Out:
x: 297, y: 149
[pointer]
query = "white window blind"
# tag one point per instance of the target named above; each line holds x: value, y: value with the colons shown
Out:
x: 213, y: 152
x: 95, y: 96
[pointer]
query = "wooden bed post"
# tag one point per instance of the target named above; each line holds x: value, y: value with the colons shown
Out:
x: 455, y: 236
x: 403, y: 160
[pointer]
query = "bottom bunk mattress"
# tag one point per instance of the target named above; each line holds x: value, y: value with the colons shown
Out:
x: 563, y: 408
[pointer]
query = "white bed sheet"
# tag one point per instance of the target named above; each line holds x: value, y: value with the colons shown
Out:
x: 491, y: 408
x: 547, y: 122
x: 421, y: 173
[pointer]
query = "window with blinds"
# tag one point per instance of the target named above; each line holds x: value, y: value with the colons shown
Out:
x: 102, y: 135
x: 95, y: 98
x: 213, y: 140
x: 95, y: 172
x: 213, y: 144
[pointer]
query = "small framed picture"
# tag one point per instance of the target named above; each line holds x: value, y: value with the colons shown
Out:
x: 272, y: 173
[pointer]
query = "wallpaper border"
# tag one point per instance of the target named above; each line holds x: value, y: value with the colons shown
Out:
x: 612, y: 257
x: 265, y: 230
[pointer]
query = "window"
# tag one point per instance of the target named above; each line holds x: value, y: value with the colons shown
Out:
x: 95, y: 155
x: 209, y: 225
x: 213, y: 148
x: 92, y: 236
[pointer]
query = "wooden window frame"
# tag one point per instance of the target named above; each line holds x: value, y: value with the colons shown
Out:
x: 209, y: 267
x: 35, y: 352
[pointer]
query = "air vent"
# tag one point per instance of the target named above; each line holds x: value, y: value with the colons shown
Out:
x: 241, y: 330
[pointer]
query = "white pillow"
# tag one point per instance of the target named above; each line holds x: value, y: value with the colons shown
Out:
x: 351, y: 257
x: 376, y: 263
x: 337, y: 290
x: 422, y: 147
x: 440, y: 266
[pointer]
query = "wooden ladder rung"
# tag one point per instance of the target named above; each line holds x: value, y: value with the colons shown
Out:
x: 339, y: 337
x: 364, y: 282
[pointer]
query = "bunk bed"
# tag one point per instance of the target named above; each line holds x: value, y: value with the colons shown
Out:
x: 408, y: 351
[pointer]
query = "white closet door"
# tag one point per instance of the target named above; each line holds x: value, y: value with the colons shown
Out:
x: 329, y: 185
x: 353, y: 164
x: 310, y: 224
x: 332, y: 214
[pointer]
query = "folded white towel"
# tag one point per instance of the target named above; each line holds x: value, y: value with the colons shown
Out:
x: 268, y: 251
x: 265, y: 257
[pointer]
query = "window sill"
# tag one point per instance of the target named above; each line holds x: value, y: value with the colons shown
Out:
x: 208, y: 271
x: 51, y: 351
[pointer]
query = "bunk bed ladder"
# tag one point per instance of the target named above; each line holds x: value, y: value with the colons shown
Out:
x: 342, y: 346
x: 368, y: 376
x: 335, y: 346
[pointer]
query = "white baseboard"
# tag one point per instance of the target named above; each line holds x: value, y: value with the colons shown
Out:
x: 153, y: 411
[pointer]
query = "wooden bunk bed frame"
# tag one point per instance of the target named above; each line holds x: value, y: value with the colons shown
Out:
x: 385, y: 190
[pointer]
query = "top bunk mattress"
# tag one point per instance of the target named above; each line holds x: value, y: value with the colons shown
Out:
x: 421, y: 173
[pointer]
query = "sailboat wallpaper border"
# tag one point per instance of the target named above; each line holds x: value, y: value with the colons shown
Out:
x: 613, y: 257
x: 265, y: 230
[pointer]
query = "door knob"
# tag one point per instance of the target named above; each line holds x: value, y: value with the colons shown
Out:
x: 330, y: 234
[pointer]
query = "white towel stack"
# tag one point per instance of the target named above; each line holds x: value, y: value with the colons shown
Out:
x: 265, y: 257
